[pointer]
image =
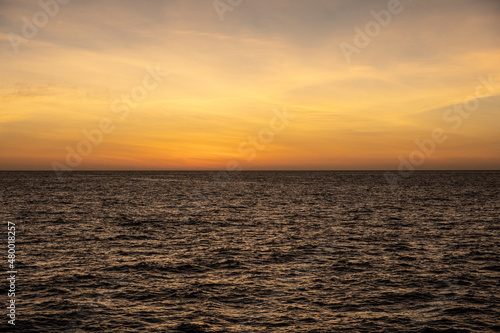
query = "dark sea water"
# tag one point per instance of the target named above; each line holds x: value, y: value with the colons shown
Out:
x: 255, y: 252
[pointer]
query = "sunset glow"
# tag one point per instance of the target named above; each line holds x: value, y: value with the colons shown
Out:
x: 183, y: 89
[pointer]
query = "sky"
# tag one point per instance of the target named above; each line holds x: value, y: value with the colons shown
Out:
x: 250, y: 85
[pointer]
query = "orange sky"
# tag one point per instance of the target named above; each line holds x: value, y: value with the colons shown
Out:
x: 222, y: 83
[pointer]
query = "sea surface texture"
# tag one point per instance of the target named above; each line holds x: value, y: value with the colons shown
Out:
x: 253, y: 252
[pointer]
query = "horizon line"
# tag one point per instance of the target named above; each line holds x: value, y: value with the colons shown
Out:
x: 253, y: 170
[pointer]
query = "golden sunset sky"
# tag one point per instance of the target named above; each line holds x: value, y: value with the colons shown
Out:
x: 228, y: 78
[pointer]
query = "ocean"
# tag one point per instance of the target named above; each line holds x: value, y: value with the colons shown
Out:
x: 257, y: 251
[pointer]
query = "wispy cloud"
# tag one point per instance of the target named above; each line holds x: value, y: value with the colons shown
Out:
x: 226, y: 77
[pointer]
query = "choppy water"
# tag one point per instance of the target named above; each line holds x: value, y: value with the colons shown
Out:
x: 261, y: 252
